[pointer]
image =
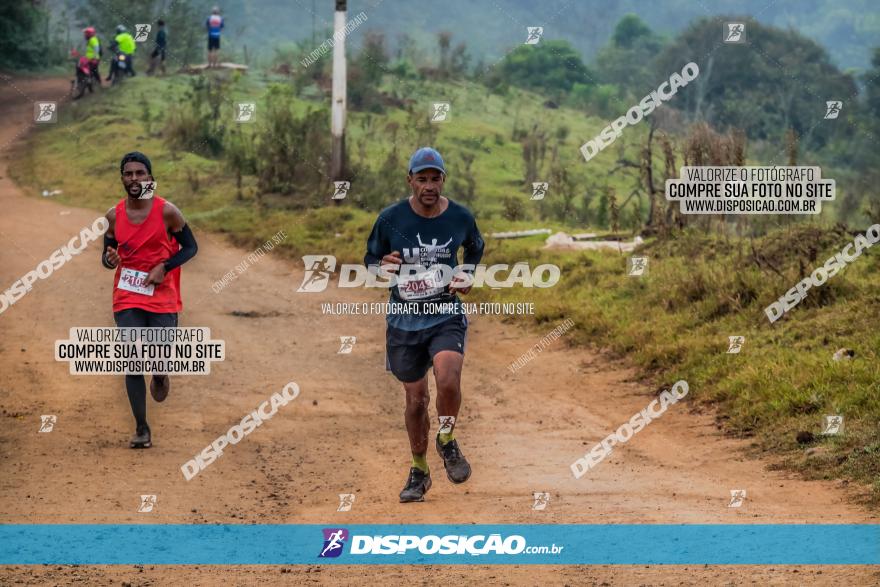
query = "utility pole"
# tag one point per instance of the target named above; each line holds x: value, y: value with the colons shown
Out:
x: 337, y: 112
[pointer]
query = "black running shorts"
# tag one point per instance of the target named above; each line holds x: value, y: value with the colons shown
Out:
x: 409, y: 354
x: 138, y: 318
x: 213, y: 43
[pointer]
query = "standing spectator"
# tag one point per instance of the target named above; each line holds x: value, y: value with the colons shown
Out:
x: 158, y: 55
x: 214, y: 25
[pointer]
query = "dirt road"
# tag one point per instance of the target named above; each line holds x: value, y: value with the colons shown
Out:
x: 344, y: 434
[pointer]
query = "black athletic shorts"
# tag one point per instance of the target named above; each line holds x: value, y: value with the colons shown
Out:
x: 157, y: 52
x: 138, y: 318
x: 213, y: 43
x: 409, y: 354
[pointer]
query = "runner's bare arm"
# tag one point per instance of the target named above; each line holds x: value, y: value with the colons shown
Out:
x: 109, y: 256
x: 174, y: 220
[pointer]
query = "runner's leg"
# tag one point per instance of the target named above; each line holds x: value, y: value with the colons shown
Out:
x: 447, y: 374
x: 160, y: 384
x: 417, y: 423
x: 417, y: 426
x: 134, y: 384
x: 446, y: 347
x: 406, y: 355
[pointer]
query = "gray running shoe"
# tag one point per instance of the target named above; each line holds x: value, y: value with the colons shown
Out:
x: 417, y: 486
x: 141, y: 438
x: 457, y: 468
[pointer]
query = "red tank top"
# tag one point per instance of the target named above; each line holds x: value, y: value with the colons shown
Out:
x: 142, y: 247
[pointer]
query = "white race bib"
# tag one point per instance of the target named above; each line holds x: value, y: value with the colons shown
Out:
x: 135, y: 281
x: 421, y: 285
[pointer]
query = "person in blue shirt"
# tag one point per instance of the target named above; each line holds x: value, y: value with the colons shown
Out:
x: 417, y: 239
x: 214, y: 24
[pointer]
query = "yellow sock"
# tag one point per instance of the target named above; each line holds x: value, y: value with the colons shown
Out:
x: 420, y: 462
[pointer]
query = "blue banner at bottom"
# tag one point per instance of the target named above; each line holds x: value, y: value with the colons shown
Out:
x: 593, y: 544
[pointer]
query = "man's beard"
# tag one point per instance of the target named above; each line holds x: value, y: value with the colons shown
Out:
x: 138, y: 190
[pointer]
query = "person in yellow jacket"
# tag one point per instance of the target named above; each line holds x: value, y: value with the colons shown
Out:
x: 127, y: 45
x: 93, y: 52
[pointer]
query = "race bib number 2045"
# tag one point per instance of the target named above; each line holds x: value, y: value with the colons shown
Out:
x: 135, y: 281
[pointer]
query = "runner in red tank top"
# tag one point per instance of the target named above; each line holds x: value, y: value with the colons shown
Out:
x: 143, y: 246
x: 147, y: 242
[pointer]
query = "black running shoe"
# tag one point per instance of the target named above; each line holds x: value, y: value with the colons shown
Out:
x: 141, y: 438
x: 417, y: 486
x: 160, y: 385
x: 457, y: 468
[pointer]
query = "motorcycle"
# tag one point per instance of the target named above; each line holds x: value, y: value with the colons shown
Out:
x: 83, y: 79
x: 119, y: 67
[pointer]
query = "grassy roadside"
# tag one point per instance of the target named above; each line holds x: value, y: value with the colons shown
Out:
x: 672, y: 323
x: 675, y: 322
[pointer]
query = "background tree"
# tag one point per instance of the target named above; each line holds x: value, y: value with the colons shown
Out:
x: 366, y: 71
x: 779, y: 80
x: 26, y: 37
x: 550, y: 67
x: 627, y: 60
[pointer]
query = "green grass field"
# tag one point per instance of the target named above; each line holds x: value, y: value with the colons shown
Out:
x: 672, y: 323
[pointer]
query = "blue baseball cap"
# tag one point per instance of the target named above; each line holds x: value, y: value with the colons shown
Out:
x: 426, y: 158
